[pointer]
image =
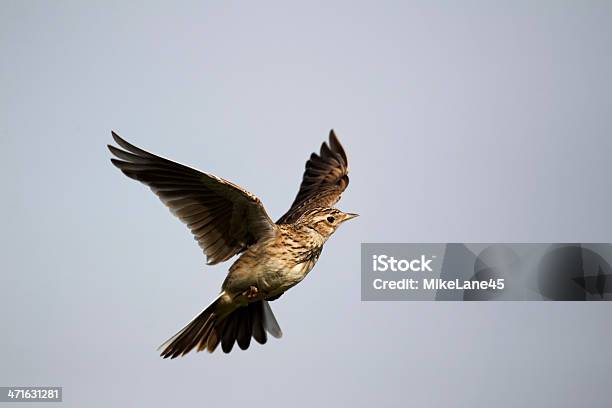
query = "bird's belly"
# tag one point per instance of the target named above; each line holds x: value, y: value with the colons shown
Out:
x: 271, y: 275
x: 299, y: 271
x: 276, y: 281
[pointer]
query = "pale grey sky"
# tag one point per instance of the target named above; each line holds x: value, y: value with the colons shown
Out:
x: 468, y: 121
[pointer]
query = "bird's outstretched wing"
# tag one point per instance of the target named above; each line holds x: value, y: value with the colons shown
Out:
x: 224, y: 218
x: 324, y: 180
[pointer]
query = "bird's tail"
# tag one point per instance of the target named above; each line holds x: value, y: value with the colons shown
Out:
x: 225, y: 324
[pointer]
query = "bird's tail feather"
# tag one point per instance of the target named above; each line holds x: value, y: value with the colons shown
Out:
x: 216, y: 324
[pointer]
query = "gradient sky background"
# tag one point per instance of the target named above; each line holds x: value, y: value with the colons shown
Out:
x: 467, y: 121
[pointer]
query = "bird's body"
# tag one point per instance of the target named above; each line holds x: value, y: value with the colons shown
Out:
x: 227, y: 220
x: 276, y: 264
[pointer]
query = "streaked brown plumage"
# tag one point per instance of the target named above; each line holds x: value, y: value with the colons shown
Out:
x: 227, y: 220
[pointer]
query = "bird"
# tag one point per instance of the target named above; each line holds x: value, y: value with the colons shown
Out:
x: 227, y: 220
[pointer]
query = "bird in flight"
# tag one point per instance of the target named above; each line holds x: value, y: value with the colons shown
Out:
x: 227, y: 220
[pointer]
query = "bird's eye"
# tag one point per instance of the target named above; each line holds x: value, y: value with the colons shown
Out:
x: 330, y: 220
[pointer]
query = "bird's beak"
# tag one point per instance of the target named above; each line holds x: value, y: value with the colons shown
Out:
x: 350, y: 216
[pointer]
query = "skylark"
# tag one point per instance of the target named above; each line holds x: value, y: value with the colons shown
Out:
x: 227, y: 220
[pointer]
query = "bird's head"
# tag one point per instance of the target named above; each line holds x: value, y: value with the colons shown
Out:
x: 325, y: 220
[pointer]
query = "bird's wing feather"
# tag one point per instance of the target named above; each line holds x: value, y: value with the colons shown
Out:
x: 324, y: 180
x: 224, y: 218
